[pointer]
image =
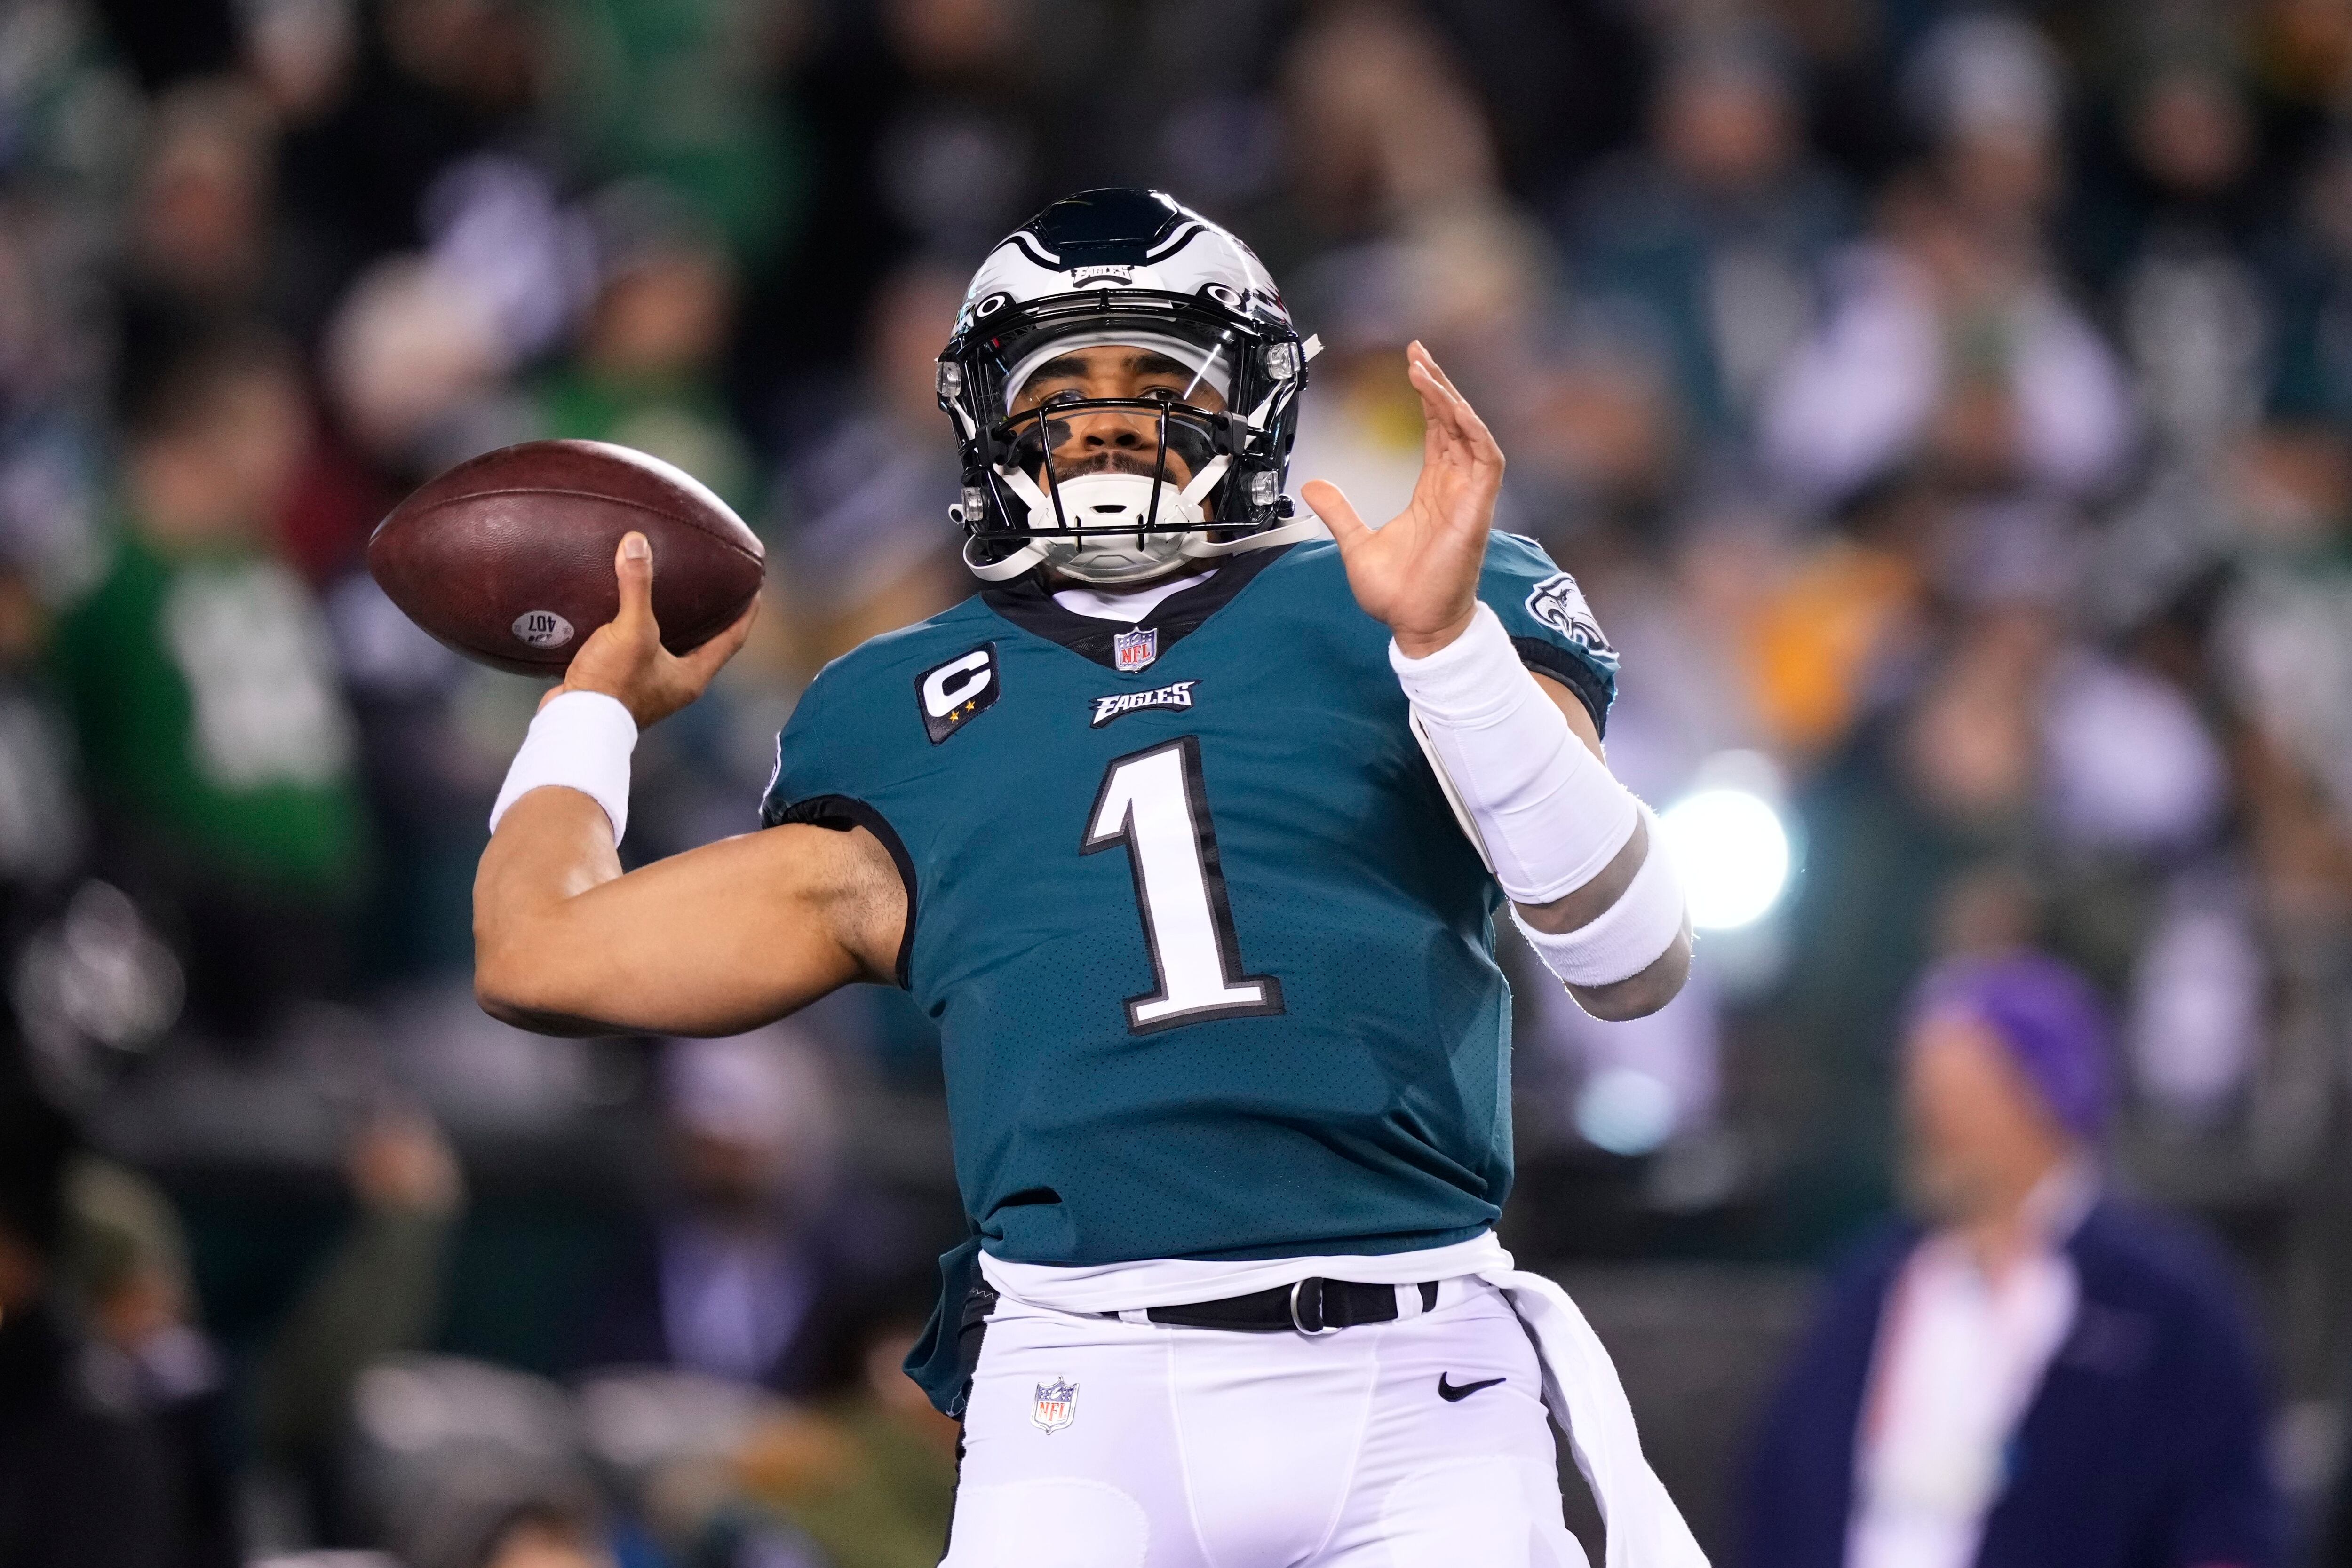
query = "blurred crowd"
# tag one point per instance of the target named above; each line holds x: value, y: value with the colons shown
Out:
x: 1944, y: 406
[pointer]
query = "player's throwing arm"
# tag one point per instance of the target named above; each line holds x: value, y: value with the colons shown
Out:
x: 717, y: 940
x: 1519, y: 755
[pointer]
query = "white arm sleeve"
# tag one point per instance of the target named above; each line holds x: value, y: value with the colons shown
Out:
x: 1547, y: 813
x: 580, y: 741
x: 1624, y: 939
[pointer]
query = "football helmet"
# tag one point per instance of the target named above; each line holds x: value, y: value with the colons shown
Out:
x: 1136, y: 268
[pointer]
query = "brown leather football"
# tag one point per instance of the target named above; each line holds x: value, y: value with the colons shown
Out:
x: 507, y: 557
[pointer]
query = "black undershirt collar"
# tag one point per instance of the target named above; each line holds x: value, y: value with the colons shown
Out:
x: 1029, y: 604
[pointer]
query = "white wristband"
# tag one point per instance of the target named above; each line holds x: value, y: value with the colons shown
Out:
x: 580, y: 741
x: 1547, y: 813
x: 1625, y: 939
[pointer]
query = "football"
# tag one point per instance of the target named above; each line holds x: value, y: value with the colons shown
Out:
x: 508, y: 557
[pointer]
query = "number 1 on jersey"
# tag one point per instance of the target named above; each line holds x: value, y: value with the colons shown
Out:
x: 1153, y: 801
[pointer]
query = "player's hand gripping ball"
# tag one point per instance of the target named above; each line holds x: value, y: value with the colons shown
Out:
x: 509, y: 557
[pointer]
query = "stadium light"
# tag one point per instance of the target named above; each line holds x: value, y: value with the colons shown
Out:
x: 1733, y: 851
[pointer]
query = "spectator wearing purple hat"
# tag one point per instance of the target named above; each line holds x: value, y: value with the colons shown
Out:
x: 2030, y: 1373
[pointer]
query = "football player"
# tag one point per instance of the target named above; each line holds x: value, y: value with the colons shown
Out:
x: 1190, y: 829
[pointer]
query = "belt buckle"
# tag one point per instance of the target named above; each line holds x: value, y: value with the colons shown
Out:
x: 1299, y: 1323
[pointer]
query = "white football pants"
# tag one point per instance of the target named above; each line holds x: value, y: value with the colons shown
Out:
x: 1184, y: 1448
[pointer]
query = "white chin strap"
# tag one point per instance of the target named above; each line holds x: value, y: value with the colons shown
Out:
x: 1147, y: 541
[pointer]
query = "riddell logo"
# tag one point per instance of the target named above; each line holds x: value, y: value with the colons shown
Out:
x: 1122, y: 703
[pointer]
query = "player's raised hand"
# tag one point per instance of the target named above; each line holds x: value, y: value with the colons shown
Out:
x: 1420, y: 574
x: 624, y: 658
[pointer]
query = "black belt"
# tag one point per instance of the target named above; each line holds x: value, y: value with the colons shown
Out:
x: 1310, y: 1306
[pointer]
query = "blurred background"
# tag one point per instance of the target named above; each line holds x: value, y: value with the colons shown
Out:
x: 1945, y: 409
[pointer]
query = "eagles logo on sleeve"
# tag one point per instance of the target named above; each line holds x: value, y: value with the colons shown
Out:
x: 1560, y: 604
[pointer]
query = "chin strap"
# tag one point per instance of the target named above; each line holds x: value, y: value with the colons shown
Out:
x: 1022, y: 559
x: 1197, y: 546
x: 1201, y: 547
x: 1194, y: 547
x: 1030, y: 555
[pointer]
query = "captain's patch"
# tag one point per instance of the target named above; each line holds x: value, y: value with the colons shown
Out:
x: 951, y: 693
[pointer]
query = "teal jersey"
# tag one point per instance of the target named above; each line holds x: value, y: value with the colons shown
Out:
x: 1211, y: 961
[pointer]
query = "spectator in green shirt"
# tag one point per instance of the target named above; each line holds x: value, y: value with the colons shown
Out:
x: 214, y: 732
x: 647, y: 372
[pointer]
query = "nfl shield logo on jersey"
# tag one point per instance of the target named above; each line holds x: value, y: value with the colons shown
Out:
x: 1133, y: 650
x: 1057, y: 1406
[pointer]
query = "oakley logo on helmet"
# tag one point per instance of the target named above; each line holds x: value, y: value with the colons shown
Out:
x: 952, y: 692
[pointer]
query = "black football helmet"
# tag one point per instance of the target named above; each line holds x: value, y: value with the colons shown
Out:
x: 1128, y: 267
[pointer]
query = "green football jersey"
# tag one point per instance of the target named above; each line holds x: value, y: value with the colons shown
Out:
x: 1213, y: 962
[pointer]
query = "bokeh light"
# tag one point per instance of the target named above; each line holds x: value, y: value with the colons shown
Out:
x: 1625, y: 1111
x: 1733, y: 853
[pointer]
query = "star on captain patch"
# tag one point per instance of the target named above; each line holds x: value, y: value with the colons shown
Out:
x: 1133, y: 650
x: 1056, y: 1408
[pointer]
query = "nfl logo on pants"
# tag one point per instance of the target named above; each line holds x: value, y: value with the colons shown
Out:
x: 1131, y: 650
x: 1057, y: 1406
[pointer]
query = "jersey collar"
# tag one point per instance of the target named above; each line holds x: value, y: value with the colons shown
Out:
x: 1029, y: 604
